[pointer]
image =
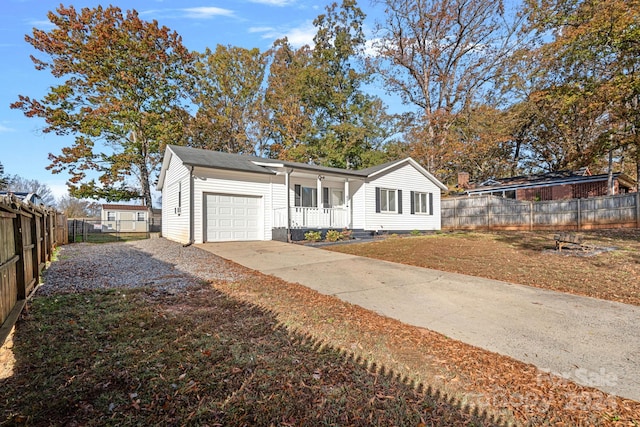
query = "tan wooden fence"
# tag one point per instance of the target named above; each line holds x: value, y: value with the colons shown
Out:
x: 497, y: 213
x: 28, y: 236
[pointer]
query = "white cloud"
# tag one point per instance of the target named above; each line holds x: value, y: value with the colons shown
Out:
x: 43, y: 24
x: 302, y: 35
x: 206, y: 12
x: 298, y: 36
x: 274, y: 2
x: 5, y: 129
x: 261, y: 29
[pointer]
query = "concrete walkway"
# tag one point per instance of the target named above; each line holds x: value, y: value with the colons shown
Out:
x: 592, y: 342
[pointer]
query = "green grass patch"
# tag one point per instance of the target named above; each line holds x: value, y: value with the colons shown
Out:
x: 110, y: 237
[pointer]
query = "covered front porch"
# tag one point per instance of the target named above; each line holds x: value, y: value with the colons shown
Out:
x: 310, y: 218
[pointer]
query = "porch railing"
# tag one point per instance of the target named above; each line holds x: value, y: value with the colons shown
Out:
x: 312, y: 217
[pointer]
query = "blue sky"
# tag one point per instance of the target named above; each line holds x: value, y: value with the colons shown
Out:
x: 204, y: 23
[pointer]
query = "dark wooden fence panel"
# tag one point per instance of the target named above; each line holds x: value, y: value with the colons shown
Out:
x: 497, y: 213
x: 8, y: 260
x: 28, y: 236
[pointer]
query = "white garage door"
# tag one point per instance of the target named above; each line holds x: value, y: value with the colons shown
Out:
x: 231, y: 217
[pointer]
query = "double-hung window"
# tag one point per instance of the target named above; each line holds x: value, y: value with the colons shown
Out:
x: 421, y: 203
x: 306, y: 197
x: 111, y: 216
x: 140, y: 216
x: 388, y: 200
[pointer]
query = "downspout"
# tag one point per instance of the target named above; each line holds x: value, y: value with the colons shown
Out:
x: 191, y: 203
x: 287, y: 184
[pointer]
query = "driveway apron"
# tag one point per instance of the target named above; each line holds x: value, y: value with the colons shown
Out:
x: 586, y: 340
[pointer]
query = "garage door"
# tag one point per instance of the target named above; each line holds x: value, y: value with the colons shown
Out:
x: 232, y: 217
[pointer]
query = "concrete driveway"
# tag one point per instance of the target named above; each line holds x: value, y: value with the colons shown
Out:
x: 592, y: 342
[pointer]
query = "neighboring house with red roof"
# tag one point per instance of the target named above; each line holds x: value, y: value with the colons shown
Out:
x: 125, y: 218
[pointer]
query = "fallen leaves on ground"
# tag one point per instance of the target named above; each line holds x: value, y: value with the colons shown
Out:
x: 525, y: 258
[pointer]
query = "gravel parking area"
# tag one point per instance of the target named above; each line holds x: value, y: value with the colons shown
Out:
x: 156, y: 263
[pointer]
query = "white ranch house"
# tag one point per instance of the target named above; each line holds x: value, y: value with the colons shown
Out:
x: 210, y: 196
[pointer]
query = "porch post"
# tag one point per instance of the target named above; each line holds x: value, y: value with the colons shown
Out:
x: 287, y: 184
x: 319, y: 194
x: 347, y: 203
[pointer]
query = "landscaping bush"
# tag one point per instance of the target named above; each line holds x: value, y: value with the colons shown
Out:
x: 333, y: 236
x: 312, y: 236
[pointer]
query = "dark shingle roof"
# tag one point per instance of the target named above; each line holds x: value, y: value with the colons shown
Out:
x: 216, y: 159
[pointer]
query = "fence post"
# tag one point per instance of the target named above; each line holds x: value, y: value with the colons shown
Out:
x: 530, y: 215
x: 638, y: 208
x: 579, y: 215
x: 488, y: 213
x: 455, y: 225
x: 19, y: 249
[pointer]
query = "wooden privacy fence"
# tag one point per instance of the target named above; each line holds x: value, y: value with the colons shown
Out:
x: 497, y: 213
x: 28, y: 236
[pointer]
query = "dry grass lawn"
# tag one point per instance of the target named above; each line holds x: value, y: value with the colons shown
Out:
x: 526, y: 258
x: 261, y: 351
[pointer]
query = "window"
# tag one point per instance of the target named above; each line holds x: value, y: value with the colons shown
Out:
x: 111, y: 216
x: 141, y: 216
x: 388, y: 200
x: 306, y: 197
x: 421, y: 203
x: 332, y: 197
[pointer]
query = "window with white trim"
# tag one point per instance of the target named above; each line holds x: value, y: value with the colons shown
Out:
x: 141, y: 216
x: 332, y: 197
x: 388, y: 200
x: 111, y: 216
x: 306, y: 197
x: 421, y: 203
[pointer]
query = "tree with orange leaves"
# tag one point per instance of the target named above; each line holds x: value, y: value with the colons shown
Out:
x: 122, y: 83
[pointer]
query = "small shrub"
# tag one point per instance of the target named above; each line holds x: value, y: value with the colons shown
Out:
x: 312, y: 236
x: 415, y: 232
x: 345, y: 235
x: 333, y: 236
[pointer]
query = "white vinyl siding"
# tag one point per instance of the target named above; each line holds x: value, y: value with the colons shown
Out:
x: 175, y: 225
x: 358, y: 203
x: 406, y: 179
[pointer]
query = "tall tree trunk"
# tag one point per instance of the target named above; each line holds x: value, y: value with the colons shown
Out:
x: 610, y: 177
x: 146, y: 187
